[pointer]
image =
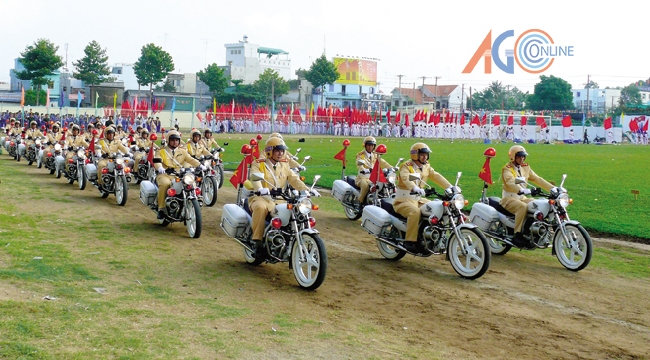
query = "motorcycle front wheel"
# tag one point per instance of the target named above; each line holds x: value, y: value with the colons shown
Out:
x: 311, y: 268
x: 473, y: 263
x: 39, y: 163
x: 575, y: 255
x: 121, y: 190
x: 81, y: 177
x: 219, y: 173
x: 193, y: 219
x: 209, y: 190
x: 58, y: 173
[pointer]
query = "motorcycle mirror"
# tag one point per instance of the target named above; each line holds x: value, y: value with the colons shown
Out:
x: 316, y: 178
x: 563, y: 178
x: 458, y: 177
x: 307, y: 158
x: 297, y: 151
x: 415, y: 177
x: 399, y: 161
x: 257, y: 176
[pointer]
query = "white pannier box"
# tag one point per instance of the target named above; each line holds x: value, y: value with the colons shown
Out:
x: 91, y: 172
x: 148, y: 192
x: 341, y: 189
x: 483, y: 215
x: 234, y: 220
x: 375, y: 219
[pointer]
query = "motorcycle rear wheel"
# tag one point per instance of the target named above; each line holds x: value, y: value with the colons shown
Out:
x: 578, y: 256
x: 309, y: 272
x: 498, y: 247
x: 193, y: 219
x: 476, y: 262
x: 220, y: 175
x: 209, y: 190
x: 121, y: 190
x: 389, y: 252
x: 352, y: 214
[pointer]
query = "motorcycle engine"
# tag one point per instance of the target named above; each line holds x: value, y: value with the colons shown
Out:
x: 433, y: 237
x: 275, y: 242
x: 173, y: 207
x: 541, y: 233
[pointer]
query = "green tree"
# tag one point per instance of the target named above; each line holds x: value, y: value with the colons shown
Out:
x: 551, y: 93
x: 31, y: 97
x: 497, y: 96
x: 591, y: 85
x: 40, y: 60
x: 269, y: 83
x: 630, y: 97
x: 213, y: 76
x: 153, y: 65
x: 321, y: 72
x: 93, y: 68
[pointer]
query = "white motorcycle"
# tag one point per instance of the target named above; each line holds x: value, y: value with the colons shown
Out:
x: 546, y: 221
x: 442, y: 229
x: 289, y: 235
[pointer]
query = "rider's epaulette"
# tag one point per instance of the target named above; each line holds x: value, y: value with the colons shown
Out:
x: 260, y: 160
x: 284, y: 160
x: 524, y: 164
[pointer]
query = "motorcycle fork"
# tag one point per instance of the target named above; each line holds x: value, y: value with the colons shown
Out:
x: 301, y: 244
x: 463, y: 242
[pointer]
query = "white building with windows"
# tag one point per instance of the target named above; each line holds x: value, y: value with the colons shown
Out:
x: 600, y: 100
x: 246, y: 61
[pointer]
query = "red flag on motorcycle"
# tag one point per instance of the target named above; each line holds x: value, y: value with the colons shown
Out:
x: 486, y: 173
x: 240, y: 175
x: 150, y: 155
x: 376, y: 175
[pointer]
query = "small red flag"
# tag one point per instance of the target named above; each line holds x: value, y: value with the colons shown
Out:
x: 150, y: 155
x: 566, y: 121
x: 541, y: 122
x: 376, y: 175
x: 523, y: 120
x: 496, y: 120
x: 511, y: 120
x: 608, y: 123
x: 240, y: 175
x: 486, y: 174
x: 91, y: 147
x: 341, y: 154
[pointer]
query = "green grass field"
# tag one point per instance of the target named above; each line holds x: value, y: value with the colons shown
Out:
x: 599, y: 177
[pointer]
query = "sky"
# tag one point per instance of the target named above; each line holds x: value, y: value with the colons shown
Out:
x: 411, y: 38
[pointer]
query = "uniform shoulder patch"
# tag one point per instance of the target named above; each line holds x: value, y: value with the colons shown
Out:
x: 524, y: 164
x: 260, y: 160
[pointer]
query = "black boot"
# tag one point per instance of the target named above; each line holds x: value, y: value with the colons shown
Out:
x: 519, y: 241
x: 161, y: 214
x: 410, y: 246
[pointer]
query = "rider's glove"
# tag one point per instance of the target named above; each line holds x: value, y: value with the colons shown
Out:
x: 29, y: 138
x: 161, y: 170
x: 315, y: 193
x: 70, y: 148
x: 301, y: 168
x: 203, y: 167
x: 418, y: 191
x: 524, y: 192
x: 395, y: 169
x: 264, y: 191
x: 221, y: 149
x: 365, y: 172
x: 104, y: 156
x: 141, y: 149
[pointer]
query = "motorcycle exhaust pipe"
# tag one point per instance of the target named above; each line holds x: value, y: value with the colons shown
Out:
x: 243, y: 245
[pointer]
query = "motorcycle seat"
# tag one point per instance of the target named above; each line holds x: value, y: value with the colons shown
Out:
x: 495, y: 202
x: 387, y: 204
x: 351, y: 181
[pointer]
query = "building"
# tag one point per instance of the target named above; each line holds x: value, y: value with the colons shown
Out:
x: 440, y: 96
x: 600, y: 100
x: 124, y: 73
x: 188, y: 83
x: 356, y: 86
x: 54, y: 82
x: 246, y: 61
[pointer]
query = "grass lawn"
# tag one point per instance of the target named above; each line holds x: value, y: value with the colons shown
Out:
x: 599, y: 177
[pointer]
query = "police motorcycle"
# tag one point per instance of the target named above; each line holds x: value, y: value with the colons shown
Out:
x: 442, y: 228
x: 217, y: 165
x: 546, y: 221
x: 54, y: 160
x: 289, y: 235
x: 33, y: 152
x: 12, y: 146
x: 115, y: 176
x: 207, y: 181
x: 145, y: 170
x: 76, y: 167
x: 347, y: 192
x: 181, y: 200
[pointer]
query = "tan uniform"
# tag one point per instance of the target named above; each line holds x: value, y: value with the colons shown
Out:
x: 108, y: 147
x: 16, y: 130
x: 145, y: 144
x: 363, y: 180
x: 33, y: 133
x: 511, y: 200
x: 167, y: 158
x: 210, y: 143
x: 409, y: 205
x: 278, y: 175
x: 75, y: 142
x: 53, y: 139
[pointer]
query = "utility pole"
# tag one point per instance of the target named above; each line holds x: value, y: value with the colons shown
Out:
x: 435, y: 105
x: 423, y: 78
x: 471, y: 108
x: 462, y: 94
x: 400, y: 90
x: 588, y: 90
x: 272, y: 104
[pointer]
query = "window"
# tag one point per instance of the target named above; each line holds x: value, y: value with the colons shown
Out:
x: 343, y: 89
x: 578, y: 93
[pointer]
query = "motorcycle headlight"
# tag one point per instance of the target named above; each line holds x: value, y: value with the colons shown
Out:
x: 188, y: 179
x: 459, y: 201
x: 57, y: 147
x: 392, y: 178
x: 38, y: 142
x: 564, y: 199
x: 80, y: 153
x: 304, y: 206
x: 119, y: 161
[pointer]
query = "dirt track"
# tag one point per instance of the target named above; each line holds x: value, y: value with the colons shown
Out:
x: 525, y: 306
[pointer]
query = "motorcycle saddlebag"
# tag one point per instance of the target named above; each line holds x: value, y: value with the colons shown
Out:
x: 91, y: 172
x: 59, y: 162
x: 375, y: 220
x: 148, y: 192
x: 483, y: 215
x: 341, y: 189
x: 234, y: 220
